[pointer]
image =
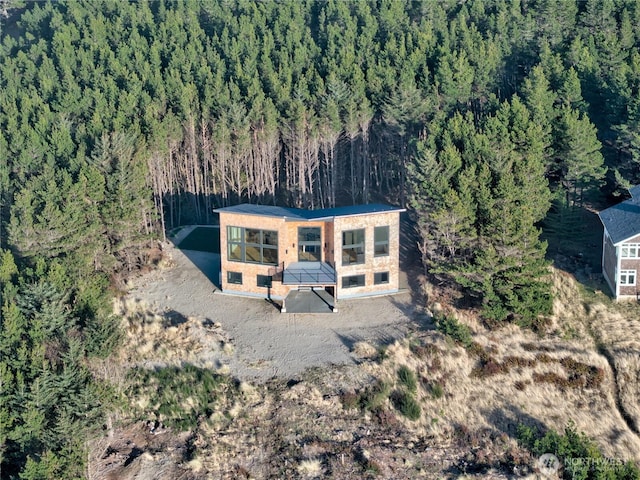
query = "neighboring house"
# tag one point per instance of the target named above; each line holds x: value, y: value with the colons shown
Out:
x: 621, y: 246
x: 269, y: 251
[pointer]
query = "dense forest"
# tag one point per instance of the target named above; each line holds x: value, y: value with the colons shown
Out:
x: 122, y: 120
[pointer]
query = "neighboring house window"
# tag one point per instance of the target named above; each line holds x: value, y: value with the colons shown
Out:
x: 353, y: 246
x: 630, y: 250
x: 627, y: 277
x: 252, y: 245
x: 353, y: 281
x: 380, y: 278
x: 234, y: 277
x: 381, y: 238
x: 264, y: 281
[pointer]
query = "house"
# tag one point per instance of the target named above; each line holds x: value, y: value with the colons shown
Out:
x: 621, y: 246
x: 270, y: 251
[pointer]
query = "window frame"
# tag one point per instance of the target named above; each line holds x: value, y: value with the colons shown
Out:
x: 346, y: 281
x: 378, y: 243
x: 264, y: 284
x: 355, y: 247
x: 380, y: 276
x: 237, y: 274
x: 262, y: 241
x: 635, y: 247
x: 624, y: 278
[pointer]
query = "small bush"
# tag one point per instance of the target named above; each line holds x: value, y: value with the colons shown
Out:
x: 436, y: 390
x: 386, y: 417
x: 408, y: 378
x: 406, y: 404
x: 374, y: 396
x: 544, y: 358
x: 350, y: 400
x: 452, y: 328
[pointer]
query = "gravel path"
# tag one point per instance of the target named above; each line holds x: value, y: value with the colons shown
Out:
x: 265, y: 342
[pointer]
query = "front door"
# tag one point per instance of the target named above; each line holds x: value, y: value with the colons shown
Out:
x: 309, y: 244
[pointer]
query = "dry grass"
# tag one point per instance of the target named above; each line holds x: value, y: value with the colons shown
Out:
x: 168, y: 339
x: 540, y: 381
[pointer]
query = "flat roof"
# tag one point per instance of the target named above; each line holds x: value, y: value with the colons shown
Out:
x: 622, y: 221
x: 299, y: 214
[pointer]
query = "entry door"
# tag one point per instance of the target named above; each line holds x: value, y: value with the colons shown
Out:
x: 309, y: 244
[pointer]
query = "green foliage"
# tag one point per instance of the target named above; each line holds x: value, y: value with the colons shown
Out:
x: 453, y: 329
x: 407, y: 378
x: 375, y: 395
x: 406, y: 404
x: 178, y: 396
x: 436, y: 390
x: 579, y: 455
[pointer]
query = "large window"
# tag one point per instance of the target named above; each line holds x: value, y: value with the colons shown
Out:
x: 309, y: 244
x: 627, y: 277
x: 353, y: 281
x: 381, y: 239
x: 252, y: 245
x: 380, y: 277
x: 630, y: 250
x: 353, y: 246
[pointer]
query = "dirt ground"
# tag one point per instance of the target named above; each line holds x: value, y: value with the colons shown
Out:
x: 254, y: 340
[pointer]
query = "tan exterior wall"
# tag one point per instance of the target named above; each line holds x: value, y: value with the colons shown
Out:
x: 372, y: 264
x: 331, y: 252
x: 250, y: 271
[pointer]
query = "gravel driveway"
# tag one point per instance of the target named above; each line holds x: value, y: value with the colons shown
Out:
x: 267, y: 343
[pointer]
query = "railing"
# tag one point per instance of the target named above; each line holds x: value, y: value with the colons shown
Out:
x: 326, y: 274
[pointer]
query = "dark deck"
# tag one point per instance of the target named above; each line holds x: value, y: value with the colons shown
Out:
x: 308, y: 301
x: 309, y: 273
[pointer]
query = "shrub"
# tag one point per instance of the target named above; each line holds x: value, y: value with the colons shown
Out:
x: 452, y: 328
x: 406, y: 404
x: 178, y: 395
x: 374, y: 396
x: 408, y: 378
x: 350, y: 400
x: 436, y: 390
x: 571, y: 446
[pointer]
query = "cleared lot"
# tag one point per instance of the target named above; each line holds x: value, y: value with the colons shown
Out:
x: 265, y: 342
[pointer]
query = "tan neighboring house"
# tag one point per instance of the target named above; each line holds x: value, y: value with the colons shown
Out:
x: 621, y: 246
x: 269, y: 251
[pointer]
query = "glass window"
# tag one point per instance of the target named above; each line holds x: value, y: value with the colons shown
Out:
x: 234, y: 277
x: 353, y: 281
x: 627, y: 277
x: 263, y: 281
x: 309, y: 244
x: 380, y: 278
x: 252, y: 245
x: 234, y: 234
x: 381, y: 239
x: 630, y: 250
x: 353, y: 247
